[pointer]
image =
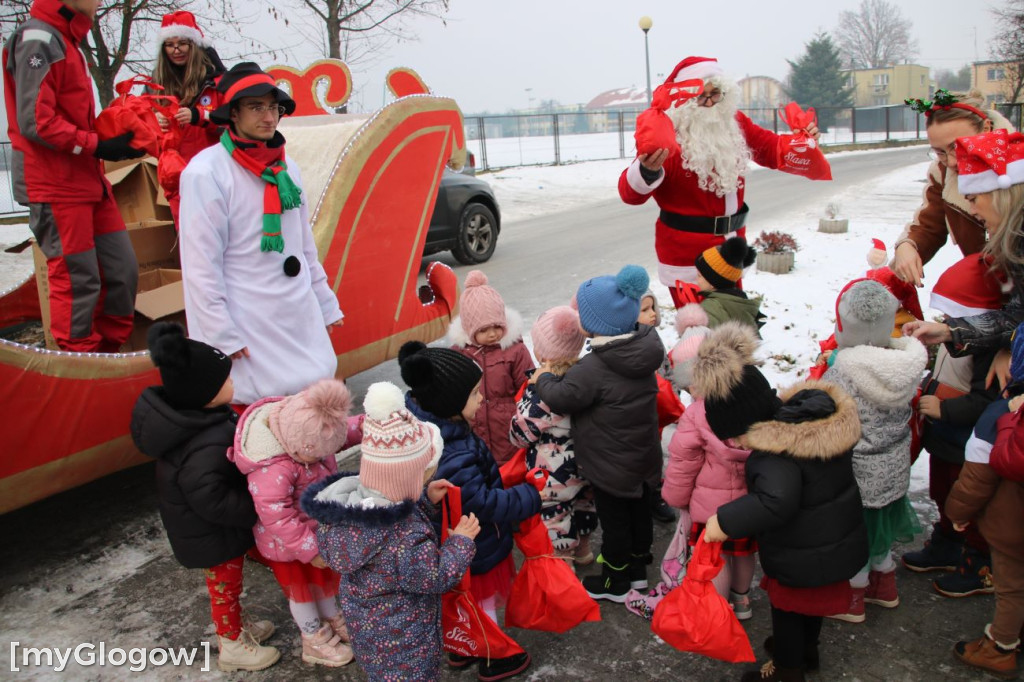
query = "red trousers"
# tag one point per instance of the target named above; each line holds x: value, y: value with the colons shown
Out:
x: 941, y: 477
x: 224, y: 583
x: 93, y: 274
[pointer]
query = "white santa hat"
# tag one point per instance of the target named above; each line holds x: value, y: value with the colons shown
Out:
x: 967, y: 288
x: 989, y: 161
x: 181, y: 24
x: 701, y: 68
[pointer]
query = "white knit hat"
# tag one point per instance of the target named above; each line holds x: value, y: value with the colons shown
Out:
x: 397, y: 447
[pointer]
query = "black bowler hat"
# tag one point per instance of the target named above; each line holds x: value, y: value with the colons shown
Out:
x: 247, y: 79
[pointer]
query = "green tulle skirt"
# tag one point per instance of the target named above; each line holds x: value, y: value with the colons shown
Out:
x: 895, y: 522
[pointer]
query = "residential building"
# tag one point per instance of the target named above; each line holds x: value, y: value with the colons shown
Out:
x: 889, y: 84
x: 994, y: 80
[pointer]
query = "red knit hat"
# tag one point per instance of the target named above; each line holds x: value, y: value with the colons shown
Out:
x: 481, y: 305
x: 557, y: 335
x: 700, y: 68
x: 398, y: 449
x: 967, y: 288
x: 989, y: 161
x: 181, y: 24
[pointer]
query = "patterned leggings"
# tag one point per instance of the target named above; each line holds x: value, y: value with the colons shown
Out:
x: 224, y: 582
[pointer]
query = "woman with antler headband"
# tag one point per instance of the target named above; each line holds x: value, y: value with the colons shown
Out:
x: 944, y: 211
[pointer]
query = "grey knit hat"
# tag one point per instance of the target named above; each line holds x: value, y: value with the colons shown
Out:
x: 865, y: 315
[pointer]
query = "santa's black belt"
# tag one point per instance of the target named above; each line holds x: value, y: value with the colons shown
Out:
x: 720, y: 225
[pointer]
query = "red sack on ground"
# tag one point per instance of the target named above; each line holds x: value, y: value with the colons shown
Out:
x: 694, y: 617
x: 465, y: 629
x: 546, y: 594
x: 654, y: 129
x: 799, y: 153
x: 135, y: 113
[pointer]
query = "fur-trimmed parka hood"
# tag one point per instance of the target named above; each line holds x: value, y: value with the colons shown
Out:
x: 513, y: 331
x: 364, y: 519
x: 457, y: 336
x: 816, y: 438
x: 721, y: 357
x: 883, y: 376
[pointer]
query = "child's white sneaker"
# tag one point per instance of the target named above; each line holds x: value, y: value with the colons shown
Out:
x: 244, y: 653
x: 325, y: 648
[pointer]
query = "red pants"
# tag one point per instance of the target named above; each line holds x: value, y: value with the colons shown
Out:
x: 93, y: 274
x: 941, y: 477
x: 224, y: 583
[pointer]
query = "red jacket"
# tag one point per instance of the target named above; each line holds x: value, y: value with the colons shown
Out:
x: 1007, y: 458
x: 680, y: 192
x: 51, y: 109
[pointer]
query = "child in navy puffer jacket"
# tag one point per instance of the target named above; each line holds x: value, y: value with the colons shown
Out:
x: 375, y: 530
x: 445, y: 391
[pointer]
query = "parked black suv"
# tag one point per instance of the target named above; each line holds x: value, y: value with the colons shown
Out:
x: 466, y: 219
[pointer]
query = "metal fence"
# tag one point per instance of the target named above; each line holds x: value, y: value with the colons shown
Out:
x: 536, y: 139
x: 543, y: 139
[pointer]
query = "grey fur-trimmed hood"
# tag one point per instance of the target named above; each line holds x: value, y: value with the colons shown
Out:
x: 825, y: 438
x: 721, y: 357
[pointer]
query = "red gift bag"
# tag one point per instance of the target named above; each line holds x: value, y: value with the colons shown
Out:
x: 546, y: 594
x: 799, y: 153
x: 465, y: 629
x: 137, y: 114
x: 513, y: 472
x: 654, y: 129
x: 694, y: 617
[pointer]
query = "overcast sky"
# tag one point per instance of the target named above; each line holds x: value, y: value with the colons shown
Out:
x: 495, y: 55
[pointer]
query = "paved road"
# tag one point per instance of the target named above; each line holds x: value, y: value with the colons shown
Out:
x: 59, y: 555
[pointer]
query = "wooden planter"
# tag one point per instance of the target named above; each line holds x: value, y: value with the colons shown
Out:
x: 833, y: 225
x: 778, y: 263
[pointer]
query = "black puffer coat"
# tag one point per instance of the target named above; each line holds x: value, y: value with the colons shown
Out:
x: 803, y: 504
x: 612, y: 395
x: 204, y: 503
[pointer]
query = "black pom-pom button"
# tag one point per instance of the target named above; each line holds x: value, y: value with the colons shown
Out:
x: 292, y: 266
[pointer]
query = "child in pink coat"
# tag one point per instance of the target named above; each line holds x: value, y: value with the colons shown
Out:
x: 283, y: 446
x: 707, y: 467
x: 491, y: 335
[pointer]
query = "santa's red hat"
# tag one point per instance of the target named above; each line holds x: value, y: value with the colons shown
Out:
x: 700, y: 68
x: 989, y: 161
x: 181, y: 24
x: 967, y: 288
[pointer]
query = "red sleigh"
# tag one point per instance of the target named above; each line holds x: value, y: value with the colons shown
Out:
x: 376, y: 177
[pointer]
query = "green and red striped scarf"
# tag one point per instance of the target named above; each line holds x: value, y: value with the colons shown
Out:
x: 281, y: 192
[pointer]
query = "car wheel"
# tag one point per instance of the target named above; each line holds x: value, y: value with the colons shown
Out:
x: 478, y: 235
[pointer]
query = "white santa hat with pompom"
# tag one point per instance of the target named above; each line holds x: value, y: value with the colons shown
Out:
x: 181, y: 24
x: 989, y: 161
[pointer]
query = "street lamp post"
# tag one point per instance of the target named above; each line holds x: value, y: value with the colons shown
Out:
x: 645, y: 26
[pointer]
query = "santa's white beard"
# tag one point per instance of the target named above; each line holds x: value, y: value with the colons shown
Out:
x: 712, y: 143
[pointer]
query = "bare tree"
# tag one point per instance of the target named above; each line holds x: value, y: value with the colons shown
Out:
x: 122, y: 34
x: 348, y: 29
x: 876, y: 35
x: 1008, y: 46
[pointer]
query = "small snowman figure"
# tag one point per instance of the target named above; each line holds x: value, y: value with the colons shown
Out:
x: 876, y: 254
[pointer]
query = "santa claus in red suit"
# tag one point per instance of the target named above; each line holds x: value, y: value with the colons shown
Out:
x: 700, y: 193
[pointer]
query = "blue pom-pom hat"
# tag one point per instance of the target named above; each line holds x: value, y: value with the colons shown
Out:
x: 609, y: 305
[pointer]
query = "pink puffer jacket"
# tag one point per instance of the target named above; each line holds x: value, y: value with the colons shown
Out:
x: 276, y: 482
x: 703, y: 472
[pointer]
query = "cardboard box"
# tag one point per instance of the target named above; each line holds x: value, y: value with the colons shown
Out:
x: 136, y: 190
x: 43, y: 286
x: 155, y: 243
x: 161, y: 297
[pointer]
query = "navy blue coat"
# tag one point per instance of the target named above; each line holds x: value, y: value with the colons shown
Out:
x: 467, y: 463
